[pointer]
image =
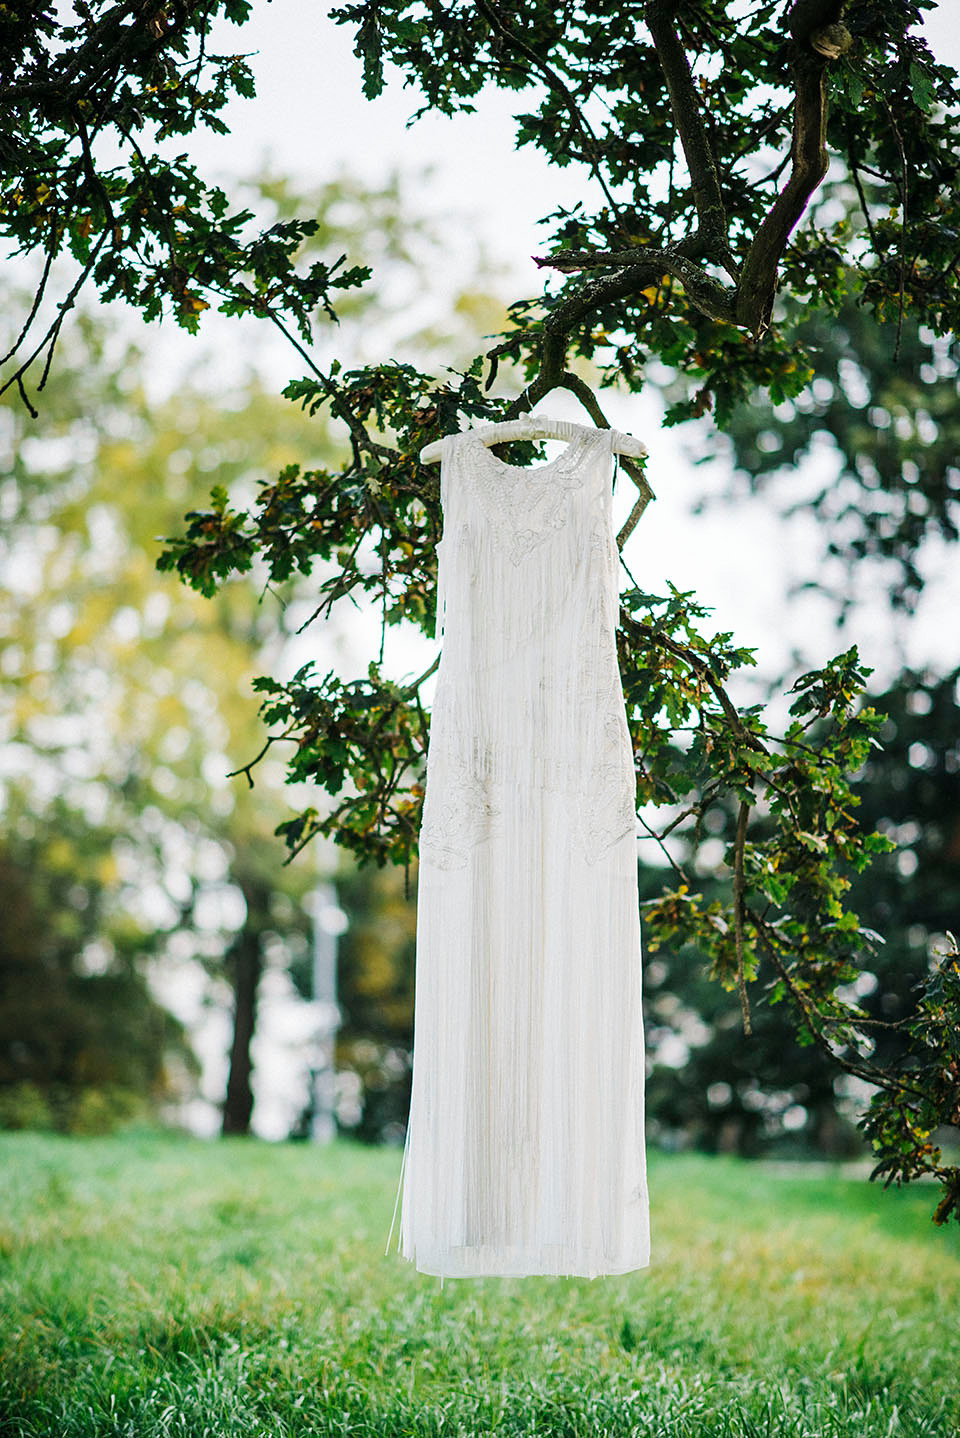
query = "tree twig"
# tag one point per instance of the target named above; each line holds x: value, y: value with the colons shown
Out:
x: 738, y: 906
x: 413, y: 688
x: 556, y: 84
x: 53, y: 331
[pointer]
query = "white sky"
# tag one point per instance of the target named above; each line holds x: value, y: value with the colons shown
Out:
x: 311, y: 120
x: 311, y: 117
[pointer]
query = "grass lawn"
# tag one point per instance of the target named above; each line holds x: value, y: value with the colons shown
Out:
x: 156, y: 1285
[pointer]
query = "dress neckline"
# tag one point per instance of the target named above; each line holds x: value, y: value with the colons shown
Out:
x: 534, y: 470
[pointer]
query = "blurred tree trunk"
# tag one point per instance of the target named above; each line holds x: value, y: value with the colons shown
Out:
x: 245, y: 964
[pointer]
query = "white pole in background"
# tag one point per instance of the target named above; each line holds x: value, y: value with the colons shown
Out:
x: 329, y: 922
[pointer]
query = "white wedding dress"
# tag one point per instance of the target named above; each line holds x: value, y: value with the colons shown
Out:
x: 525, y: 1150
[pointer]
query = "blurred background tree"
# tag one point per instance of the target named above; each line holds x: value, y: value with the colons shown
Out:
x: 124, y: 698
x: 868, y: 449
x: 695, y: 250
x: 866, y: 457
x: 128, y: 700
x: 375, y: 989
x: 84, y: 1044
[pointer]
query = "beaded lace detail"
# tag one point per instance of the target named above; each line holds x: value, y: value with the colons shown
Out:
x: 521, y: 510
x: 524, y: 506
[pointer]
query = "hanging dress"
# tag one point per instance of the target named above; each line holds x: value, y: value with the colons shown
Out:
x: 525, y: 1149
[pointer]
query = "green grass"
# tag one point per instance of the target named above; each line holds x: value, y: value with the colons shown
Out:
x: 157, y: 1286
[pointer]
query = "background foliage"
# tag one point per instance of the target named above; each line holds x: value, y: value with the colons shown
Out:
x: 695, y: 259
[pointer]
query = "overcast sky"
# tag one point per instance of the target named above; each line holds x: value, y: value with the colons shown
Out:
x: 310, y: 120
x: 311, y: 117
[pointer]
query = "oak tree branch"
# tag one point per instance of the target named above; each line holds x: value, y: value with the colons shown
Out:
x: 809, y: 21
x: 711, y: 214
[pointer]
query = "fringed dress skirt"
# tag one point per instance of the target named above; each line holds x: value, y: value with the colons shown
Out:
x: 525, y: 1147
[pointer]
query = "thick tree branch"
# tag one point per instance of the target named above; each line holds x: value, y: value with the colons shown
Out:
x: 817, y: 38
x: 153, y: 29
x: 640, y: 267
x: 586, y: 396
x: 711, y: 213
x: 636, y: 513
x: 103, y: 36
x: 709, y: 295
x: 568, y: 380
x: 705, y: 293
x: 630, y: 466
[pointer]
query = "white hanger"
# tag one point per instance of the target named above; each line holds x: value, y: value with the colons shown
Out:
x: 535, y: 426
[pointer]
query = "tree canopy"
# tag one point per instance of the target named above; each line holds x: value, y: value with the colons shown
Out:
x: 705, y: 133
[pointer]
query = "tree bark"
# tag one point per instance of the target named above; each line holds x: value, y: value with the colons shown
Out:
x: 246, y: 964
